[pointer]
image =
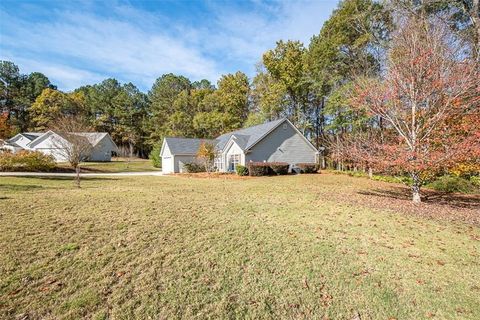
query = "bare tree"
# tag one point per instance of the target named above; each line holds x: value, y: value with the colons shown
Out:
x: 72, y: 144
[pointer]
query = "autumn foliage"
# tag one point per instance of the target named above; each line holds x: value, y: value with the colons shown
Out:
x: 429, y: 100
x: 206, y: 154
x: 6, y: 130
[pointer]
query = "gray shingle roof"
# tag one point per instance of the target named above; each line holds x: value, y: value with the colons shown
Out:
x: 32, y: 135
x: 245, y: 138
x: 185, y: 145
x: 248, y: 136
x: 9, y: 143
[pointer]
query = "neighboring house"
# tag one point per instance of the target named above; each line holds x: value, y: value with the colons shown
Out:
x: 48, y: 143
x: 276, y: 141
x: 20, y: 141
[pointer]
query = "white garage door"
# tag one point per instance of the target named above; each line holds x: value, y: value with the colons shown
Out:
x: 167, y: 164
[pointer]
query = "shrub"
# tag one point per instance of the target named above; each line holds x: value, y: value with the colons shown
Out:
x: 279, y: 168
x: 194, y: 167
x: 475, y: 180
x: 307, y: 167
x: 241, y: 170
x: 393, y: 179
x: 26, y: 161
x: 257, y: 169
x: 465, y: 169
x: 155, y: 157
x: 452, y: 184
x: 267, y: 168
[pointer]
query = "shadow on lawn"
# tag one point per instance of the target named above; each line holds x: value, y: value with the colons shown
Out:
x: 38, y: 180
x: 18, y: 187
x: 82, y: 178
x: 468, y: 201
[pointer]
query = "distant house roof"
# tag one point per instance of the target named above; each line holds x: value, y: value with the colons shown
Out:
x: 10, y: 143
x: 185, y: 146
x: 93, y: 137
x: 31, y: 135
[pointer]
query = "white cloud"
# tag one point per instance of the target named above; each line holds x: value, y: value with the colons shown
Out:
x: 69, y: 77
x: 134, y: 45
x: 249, y: 34
x: 112, y: 47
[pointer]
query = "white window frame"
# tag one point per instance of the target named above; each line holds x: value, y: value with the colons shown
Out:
x: 218, y: 163
x: 234, y: 160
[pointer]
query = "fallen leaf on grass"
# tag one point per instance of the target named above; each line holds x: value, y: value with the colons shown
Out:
x: 326, y: 299
x: 361, y: 273
x: 356, y: 316
x: 305, y: 283
x: 14, y: 292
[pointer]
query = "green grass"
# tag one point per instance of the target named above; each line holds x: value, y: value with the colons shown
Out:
x: 116, y: 165
x: 292, y: 247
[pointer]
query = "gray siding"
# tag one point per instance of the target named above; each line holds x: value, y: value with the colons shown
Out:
x: 102, y: 151
x: 180, y: 161
x: 282, y: 145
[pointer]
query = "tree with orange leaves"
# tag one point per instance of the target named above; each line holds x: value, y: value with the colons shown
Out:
x: 6, y: 130
x: 429, y: 99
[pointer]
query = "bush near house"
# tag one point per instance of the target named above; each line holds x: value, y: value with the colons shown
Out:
x: 257, y: 169
x: 194, y: 167
x: 241, y: 170
x: 307, y: 167
x: 155, y: 157
x: 279, y: 168
x: 26, y: 161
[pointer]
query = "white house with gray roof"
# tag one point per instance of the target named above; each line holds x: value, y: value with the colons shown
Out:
x: 20, y: 141
x: 275, y: 141
x: 102, y: 144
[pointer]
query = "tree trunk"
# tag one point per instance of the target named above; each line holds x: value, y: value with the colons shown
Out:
x: 370, y: 173
x: 475, y: 18
x: 130, y: 156
x: 416, y: 188
x: 77, y: 177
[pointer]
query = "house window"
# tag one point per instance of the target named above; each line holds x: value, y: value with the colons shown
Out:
x: 218, y: 163
x: 234, y: 161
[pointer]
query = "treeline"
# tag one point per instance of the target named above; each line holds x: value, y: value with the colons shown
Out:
x: 310, y: 84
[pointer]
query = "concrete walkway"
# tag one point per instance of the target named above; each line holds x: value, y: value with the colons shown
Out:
x: 66, y: 174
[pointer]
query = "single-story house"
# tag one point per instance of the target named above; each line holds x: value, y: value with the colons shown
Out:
x: 51, y: 143
x: 275, y: 141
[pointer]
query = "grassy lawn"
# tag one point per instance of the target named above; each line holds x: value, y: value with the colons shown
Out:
x: 116, y: 165
x: 296, y: 247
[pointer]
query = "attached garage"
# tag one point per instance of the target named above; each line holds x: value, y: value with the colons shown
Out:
x: 176, y: 152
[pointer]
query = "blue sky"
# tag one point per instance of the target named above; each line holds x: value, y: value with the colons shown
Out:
x: 83, y: 42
